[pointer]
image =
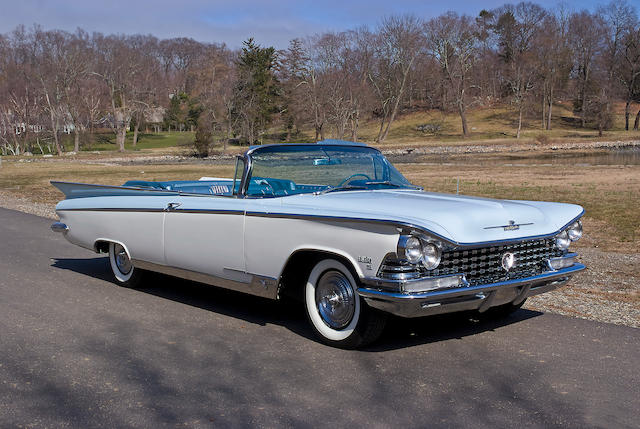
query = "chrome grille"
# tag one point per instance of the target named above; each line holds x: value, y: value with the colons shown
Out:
x: 482, y: 265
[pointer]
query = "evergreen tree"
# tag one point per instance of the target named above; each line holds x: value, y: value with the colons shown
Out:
x: 257, y: 90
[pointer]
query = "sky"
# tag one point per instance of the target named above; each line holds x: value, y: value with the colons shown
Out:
x: 270, y: 22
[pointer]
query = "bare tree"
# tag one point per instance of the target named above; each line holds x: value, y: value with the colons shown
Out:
x: 397, y: 43
x: 117, y: 65
x: 586, y: 36
x: 517, y: 27
x: 452, y: 41
x: 629, y: 72
x: 620, y: 48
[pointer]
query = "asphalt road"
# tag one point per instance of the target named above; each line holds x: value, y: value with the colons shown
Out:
x: 78, y: 351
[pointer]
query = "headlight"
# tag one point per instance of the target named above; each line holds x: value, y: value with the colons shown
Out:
x: 411, y: 248
x: 416, y: 250
x: 432, y: 256
x: 562, y: 240
x: 575, y: 231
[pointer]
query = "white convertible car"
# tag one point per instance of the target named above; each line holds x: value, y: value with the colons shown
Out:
x: 335, y: 225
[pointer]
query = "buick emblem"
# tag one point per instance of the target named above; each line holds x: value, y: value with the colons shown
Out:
x: 508, y: 261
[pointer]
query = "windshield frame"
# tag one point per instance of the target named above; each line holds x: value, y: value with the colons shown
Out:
x: 248, y: 163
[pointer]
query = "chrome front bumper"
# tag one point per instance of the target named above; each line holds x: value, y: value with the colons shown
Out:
x: 480, y: 297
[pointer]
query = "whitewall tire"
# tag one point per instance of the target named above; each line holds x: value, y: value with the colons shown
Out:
x: 337, y: 313
x: 124, y: 273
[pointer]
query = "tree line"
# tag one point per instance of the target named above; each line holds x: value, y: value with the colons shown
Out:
x: 54, y: 83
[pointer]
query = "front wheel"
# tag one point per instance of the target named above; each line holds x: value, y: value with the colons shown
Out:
x: 123, y: 270
x: 337, y: 313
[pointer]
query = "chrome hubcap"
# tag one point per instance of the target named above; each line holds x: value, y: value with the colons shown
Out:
x: 122, y: 259
x: 335, y: 300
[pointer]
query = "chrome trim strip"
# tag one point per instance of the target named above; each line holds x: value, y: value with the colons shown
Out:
x: 210, y: 211
x: 403, y: 224
x: 448, y: 293
x: 266, y: 287
x: 395, y: 223
x: 139, y: 189
x: 59, y: 227
x: 509, y: 226
x: 112, y: 209
x: 461, y: 299
x: 149, y: 210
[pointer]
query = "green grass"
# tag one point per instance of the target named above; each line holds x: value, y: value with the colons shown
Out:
x: 163, y: 140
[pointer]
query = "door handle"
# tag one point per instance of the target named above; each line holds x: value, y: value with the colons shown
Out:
x: 172, y: 206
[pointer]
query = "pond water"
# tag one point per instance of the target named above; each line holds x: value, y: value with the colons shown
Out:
x: 627, y: 156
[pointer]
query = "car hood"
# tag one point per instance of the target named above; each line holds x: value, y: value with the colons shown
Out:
x: 456, y: 218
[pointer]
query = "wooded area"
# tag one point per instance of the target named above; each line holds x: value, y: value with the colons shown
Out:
x: 522, y: 55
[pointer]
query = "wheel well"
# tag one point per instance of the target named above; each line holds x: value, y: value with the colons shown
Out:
x: 298, y: 267
x: 101, y: 246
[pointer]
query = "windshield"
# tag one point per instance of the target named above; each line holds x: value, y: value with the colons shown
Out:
x: 295, y: 169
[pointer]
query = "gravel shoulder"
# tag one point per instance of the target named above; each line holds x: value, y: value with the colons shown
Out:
x: 607, y: 291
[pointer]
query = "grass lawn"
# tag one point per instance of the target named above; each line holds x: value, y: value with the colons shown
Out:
x: 164, y: 140
x: 492, y: 125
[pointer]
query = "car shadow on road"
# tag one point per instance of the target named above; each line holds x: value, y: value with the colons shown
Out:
x: 400, y: 333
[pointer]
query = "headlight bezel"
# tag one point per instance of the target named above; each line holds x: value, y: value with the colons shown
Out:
x: 408, y: 245
x: 417, y: 249
x: 562, y: 240
x: 575, y: 231
x: 431, y: 260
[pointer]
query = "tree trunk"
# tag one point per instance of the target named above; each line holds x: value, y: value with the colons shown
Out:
x: 519, y: 121
x: 56, y: 138
x: 76, y: 140
x: 636, y: 124
x: 549, y: 109
x: 380, y: 131
x: 136, y: 128
x: 393, y: 114
x: 627, y: 113
x: 463, y: 117
x: 354, y: 128
x: 121, y: 135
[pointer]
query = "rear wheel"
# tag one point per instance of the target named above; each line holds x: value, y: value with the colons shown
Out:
x: 337, y: 314
x: 123, y: 270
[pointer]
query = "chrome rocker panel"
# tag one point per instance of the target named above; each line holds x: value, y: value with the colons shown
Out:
x: 480, y: 297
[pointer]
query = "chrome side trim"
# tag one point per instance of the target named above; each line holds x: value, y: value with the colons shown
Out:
x: 59, y: 227
x: 324, y: 218
x: 465, y: 298
x: 139, y: 189
x: 208, y: 211
x: 150, y: 210
x: 402, y: 224
x: 112, y: 209
x: 266, y: 287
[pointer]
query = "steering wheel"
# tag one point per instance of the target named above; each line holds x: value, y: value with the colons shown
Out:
x: 352, y: 176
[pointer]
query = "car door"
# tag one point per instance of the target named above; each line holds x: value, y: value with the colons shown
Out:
x: 204, y: 234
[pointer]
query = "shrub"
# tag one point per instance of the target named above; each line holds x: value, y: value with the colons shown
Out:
x: 542, y: 138
x: 203, y: 138
x: 431, y: 128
